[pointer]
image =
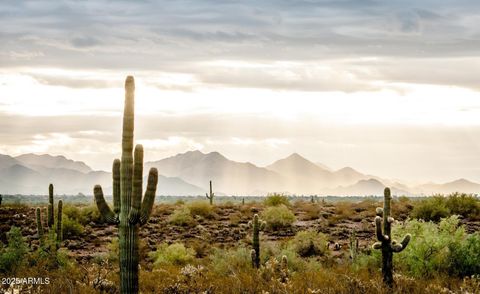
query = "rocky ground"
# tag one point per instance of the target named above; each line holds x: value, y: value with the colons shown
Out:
x: 227, y: 228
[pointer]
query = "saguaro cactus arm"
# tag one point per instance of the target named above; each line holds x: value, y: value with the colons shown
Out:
x: 103, y: 207
x: 116, y: 186
x: 149, y: 197
x: 134, y: 214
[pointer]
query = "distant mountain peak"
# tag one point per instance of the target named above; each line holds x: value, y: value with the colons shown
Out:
x: 36, y: 161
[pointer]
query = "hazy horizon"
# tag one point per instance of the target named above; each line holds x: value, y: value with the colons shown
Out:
x: 386, y: 88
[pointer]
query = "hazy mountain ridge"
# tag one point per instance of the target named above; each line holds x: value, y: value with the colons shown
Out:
x: 188, y: 174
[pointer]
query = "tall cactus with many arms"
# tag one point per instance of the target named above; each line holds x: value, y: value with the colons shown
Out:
x: 210, y: 197
x: 385, y: 242
x: 129, y: 212
x: 257, y: 225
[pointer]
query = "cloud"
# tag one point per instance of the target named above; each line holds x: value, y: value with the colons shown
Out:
x: 181, y: 37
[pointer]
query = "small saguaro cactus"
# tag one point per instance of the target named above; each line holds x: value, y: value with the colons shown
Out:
x: 59, y: 222
x: 38, y: 214
x: 257, y: 225
x: 385, y: 242
x: 50, y: 219
x: 353, y: 245
x: 129, y: 211
x: 50, y: 211
x: 211, y: 195
x: 312, y: 199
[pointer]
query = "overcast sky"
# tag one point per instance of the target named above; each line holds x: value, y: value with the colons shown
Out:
x: 387, y: 87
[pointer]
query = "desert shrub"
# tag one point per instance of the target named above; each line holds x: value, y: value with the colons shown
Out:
x: 276, y: 200
x: 436, y: 207
x: 464, y: 257
x: 277, y: 250
x: 464, y: 205
x: 278, y: 217
x: 174, y: 254
x: 230, y: 261
x: 71, y: 227
x: 311, y: 210
x: 309, y: 243
x: 12, y: 257
x: 431, y: 209
x: 181, y: 217
x: 201, y: 208
x: 90, y: 214
x: 428, y: 251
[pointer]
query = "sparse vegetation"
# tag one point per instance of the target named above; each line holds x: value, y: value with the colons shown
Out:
x: 278, y: 217
x: 185, y: 252
x: 181, y: 217
x: 174, y: 254
x: 276, y: 200
x: 436, y: 207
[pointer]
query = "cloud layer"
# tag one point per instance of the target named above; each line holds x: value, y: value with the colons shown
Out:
x: 388, y: 87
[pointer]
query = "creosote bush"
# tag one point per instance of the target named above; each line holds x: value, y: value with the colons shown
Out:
x: 278, y: 217
x: 181, y: 217
x: 276, y: 200
x: 309, y: 243
x: 201, y: 208
x: 71, y: 227
x: 13, y: 256
x: 436, y: 207
x: 174, y: 254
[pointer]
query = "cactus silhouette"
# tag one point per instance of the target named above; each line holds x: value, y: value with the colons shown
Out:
x: 129, y: 211
x: 210, y: 197
x: 385, y: 242
x: 257, y: 225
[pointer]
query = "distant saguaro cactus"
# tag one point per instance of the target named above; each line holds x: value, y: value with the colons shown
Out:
x: 210, y: 197
x: 1, y: 198
x: 385, y: 242
x: 129, y: 211
x: 257, y: 225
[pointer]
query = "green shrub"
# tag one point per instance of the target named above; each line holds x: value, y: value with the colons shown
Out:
x: 436, y: 207
x: 464, y: 258
x: 12, y: 257
x: 174, y: 254
x: 431, y: 209
x: 276, y: 200
x: 201, y: 208
x: 309, y: 243
x: 71, y: 227
x: 278, y: 217
x: 464, y: 205
x: 428, y: 250
x: 181, y: 217
x: 90, y: 214
x: 230, y: 261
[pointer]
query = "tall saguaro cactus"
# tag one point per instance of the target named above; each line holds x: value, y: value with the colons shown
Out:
x: 257, y: 225
x: 211, y: 195
x: 129, y: 211
x: 385, y: 242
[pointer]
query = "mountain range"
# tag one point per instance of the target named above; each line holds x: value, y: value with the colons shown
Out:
x: 189, y: 173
